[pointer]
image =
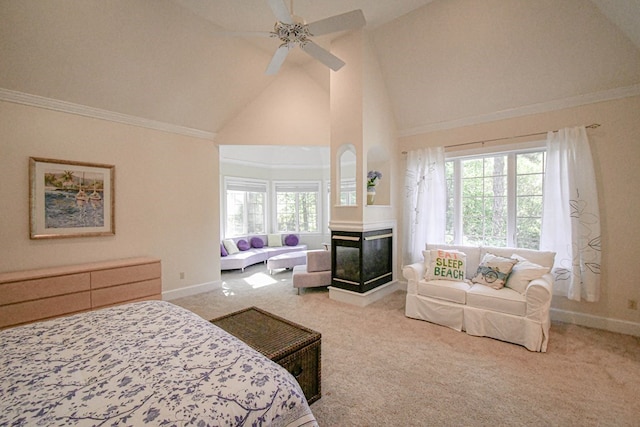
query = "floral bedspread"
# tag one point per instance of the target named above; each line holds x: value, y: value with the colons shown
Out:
x: 146, y: 363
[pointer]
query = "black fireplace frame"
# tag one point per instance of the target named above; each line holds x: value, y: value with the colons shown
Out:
x: 374, y: 247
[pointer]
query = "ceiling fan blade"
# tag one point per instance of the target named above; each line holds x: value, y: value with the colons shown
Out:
x: 346, y: 21
x: 245, y: 34
x: 277, y: 60
x: 322, y: 55
x: 279, y: 8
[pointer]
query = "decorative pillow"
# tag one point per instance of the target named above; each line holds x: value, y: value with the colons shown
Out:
x: 524, y: 272
x: 291, y: 240
x: 230, y: 246
x: 445, y: 265
x: 274, y: 240
x: 243, y: 245
x: 426, y: 254
x: 494, y: 271
x: 223, y: 251
x: 256, y: 242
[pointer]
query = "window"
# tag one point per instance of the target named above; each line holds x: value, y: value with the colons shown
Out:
x: 245, y: 211
x: 348, y: 192
x: 297, y: 206
x: 495, y: 199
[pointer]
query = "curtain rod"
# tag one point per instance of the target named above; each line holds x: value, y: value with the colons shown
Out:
x: 591, y: 126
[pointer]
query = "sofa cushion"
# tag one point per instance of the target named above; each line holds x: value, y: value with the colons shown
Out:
x: 524, y: 272
x: 243, y: 245
x: 291, y: 240
x: 257, y: 242
x: 494, y: 270
x: 223, y: 251
x: 447, y: 290
x: 503, y: 300
x: 302, y: 278
x: 230, y: 246
x: 444, y: 265
x: 274, y: 240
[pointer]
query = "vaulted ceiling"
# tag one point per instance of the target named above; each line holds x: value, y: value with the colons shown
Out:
x: 442, y: 60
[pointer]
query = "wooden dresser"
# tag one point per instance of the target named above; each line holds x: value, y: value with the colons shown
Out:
x: 30, y: 295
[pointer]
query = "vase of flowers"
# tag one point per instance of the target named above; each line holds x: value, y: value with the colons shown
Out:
x: 372, y: 180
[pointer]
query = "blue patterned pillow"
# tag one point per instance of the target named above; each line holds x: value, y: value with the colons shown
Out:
x: 494, y: 271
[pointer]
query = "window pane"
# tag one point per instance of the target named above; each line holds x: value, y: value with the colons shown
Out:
x: 255, y: 213
x: 297, y: 206
x: 495, y: 186
x: 529, y: 207
x: 495, y: 218
x: 495, y: 166
x: 308, y: 215
x: 529, y: 189
x: 472, y: 187
x: 528, y: 233
x: 286, y: 211
x: 449, y: 227
x: 529, y: 185
x: 530, y: 163
x: 487, y: 214
x: 472, y: 168
x: 235, y: 213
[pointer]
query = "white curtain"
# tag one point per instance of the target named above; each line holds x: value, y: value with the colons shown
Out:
x: 425, y: 203
x: 571, y: 218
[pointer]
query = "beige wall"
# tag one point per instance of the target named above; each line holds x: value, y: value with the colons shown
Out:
x: 146, y: 58
x: 616, y: 152
x: 166, y: 194
x: 292, y: 110
x: 454, y: 59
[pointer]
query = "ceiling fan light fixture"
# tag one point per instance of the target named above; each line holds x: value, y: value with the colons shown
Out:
x: 295, y: 33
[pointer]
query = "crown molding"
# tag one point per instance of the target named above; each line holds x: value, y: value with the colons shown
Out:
x: 97, y: 113
x: 249, y: 163
x: 561, y: 104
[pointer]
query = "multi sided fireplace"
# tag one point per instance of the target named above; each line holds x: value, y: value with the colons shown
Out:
x: 361, y: 261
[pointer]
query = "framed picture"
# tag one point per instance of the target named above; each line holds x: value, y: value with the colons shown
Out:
x: 70, y: 199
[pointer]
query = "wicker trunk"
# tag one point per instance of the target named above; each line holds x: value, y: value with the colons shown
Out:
x: 290, y: 345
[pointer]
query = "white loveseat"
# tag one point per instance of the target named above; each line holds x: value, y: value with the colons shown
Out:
x: 505, y: 314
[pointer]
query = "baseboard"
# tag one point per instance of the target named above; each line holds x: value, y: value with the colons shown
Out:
x: 597, y: 322
x: 362, y: 299
x: 191, y: 290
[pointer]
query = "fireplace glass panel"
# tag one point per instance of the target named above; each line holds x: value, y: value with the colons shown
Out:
x: 376, y: 258
x: 348, y: 263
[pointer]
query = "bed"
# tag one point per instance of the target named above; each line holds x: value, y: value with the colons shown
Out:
x: 143, y: 363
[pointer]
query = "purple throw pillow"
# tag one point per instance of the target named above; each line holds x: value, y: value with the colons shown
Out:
x: 223, y: 250
x: 257, y: 242
x: 243, y: 245
x: 291, y: 240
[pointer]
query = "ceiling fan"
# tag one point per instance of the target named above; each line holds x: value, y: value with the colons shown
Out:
x: 294, y: 31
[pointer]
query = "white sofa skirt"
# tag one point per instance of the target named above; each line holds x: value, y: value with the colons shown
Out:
x: 506, y: 327
x: 479, y: 322
x: 436, y: 311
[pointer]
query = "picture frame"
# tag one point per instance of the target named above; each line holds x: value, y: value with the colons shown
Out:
x: 70, y: 199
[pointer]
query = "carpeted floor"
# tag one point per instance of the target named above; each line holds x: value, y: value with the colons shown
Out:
x: 380, y: 368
